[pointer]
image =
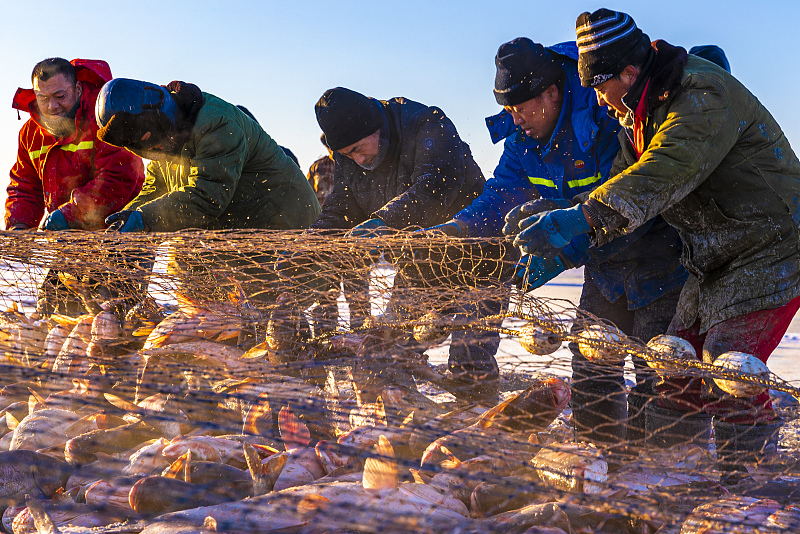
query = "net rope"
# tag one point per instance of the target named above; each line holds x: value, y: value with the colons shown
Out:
x: 259, y: 381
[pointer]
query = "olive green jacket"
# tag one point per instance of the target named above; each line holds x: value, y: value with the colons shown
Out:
x: 229, y: 174
x: 719, y: 169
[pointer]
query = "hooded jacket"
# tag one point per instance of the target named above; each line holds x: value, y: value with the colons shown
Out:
x: 574, y: 161
x: 719, y: 169
x: 82, y: 176
x: 426, y: 176
x: 228, y: 173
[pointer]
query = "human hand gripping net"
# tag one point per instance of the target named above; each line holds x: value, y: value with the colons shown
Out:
x: 247, y: 381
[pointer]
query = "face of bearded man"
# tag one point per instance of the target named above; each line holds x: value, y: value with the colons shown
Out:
x: 58, y: 99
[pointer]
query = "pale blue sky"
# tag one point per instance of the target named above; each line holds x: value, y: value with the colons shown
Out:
x: 277, y: 58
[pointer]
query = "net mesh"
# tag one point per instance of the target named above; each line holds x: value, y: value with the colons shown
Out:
x: 283, y: 381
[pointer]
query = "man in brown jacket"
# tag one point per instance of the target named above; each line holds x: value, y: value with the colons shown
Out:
x: 320, y: 175
x: 699, y: 149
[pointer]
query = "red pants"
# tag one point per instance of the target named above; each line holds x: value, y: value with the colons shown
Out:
x: 757, y: 333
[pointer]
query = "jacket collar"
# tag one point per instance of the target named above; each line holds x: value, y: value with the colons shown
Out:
x: 661, y: 74
x: 578, y: 104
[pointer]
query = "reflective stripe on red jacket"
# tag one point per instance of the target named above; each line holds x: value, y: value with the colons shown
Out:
x: 80, y: 175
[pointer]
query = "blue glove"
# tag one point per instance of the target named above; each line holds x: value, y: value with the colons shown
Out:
x: 547, y: 233
x: 126, y: 221
x: 450, y: 228
x: 56, y: 222
x: 523, y: 211
x: 369, y: 228
x: 576, y: 253
x: 538, y: 272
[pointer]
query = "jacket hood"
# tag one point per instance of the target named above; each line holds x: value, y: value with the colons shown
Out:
x: 189, y: 99
x: 581, y: 102
x: 567, y: 49
x: 93, y: 73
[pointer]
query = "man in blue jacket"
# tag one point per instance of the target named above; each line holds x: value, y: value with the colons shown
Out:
x: 559, y: 145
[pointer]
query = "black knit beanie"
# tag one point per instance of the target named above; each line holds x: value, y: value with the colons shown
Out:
x: 346, y: 116
x: 524, y: 70
x: 606, y: 40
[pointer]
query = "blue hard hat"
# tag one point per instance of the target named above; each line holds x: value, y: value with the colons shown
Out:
x: 134, y: 97
x: 128, y: 109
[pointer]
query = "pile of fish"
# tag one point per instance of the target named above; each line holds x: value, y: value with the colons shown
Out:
x: 202, y: 421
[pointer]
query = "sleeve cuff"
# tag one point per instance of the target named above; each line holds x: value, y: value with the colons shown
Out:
x: 608, y: 219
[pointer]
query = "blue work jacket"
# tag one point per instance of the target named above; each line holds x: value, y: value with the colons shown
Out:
x: 576, y: 159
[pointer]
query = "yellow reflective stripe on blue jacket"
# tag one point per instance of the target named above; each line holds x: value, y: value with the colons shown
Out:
x: 72, y: 147
x: 541, y: 181
x: 584, y: 181
x: 572, y: 183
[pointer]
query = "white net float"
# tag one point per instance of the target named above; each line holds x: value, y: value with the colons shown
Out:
x: 672, y: 347
x: 538, y: 340
x: 743, y: 363
x: 601, y: 343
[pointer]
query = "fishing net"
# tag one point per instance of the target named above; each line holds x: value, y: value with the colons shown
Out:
x: 258, y: 381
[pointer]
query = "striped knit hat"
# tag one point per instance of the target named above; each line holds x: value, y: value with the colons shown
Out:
x: 606, y: 39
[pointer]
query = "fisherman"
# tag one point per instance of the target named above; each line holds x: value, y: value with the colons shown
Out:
x: 320, y: 175
x: 700, y: 150
x: 559, y: 146
x: 63, y: 172
x: 399, y: 163
x: 212, y: 167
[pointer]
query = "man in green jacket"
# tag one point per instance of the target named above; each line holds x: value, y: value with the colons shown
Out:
x: 699, y: 149
x: 211, y: 166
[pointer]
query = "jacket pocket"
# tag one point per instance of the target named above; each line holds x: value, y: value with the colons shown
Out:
x: 714, y: 240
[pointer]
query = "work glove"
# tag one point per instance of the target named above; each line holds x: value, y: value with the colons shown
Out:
x: 370, y: 228
x: 523, y: 211
x: 56, y: 222
x: 126, y: 221
x: 451, y: 228
x: 547, y: 233
x: 541, y: 270
x: 533, y: 272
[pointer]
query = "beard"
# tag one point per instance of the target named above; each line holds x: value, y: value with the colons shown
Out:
x: 60, y: 125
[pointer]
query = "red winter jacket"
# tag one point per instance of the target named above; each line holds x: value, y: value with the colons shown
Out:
x: 80, y: 175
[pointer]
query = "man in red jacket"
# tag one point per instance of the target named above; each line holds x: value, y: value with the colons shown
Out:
x: 62, y: 168
x: 63, y: 172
